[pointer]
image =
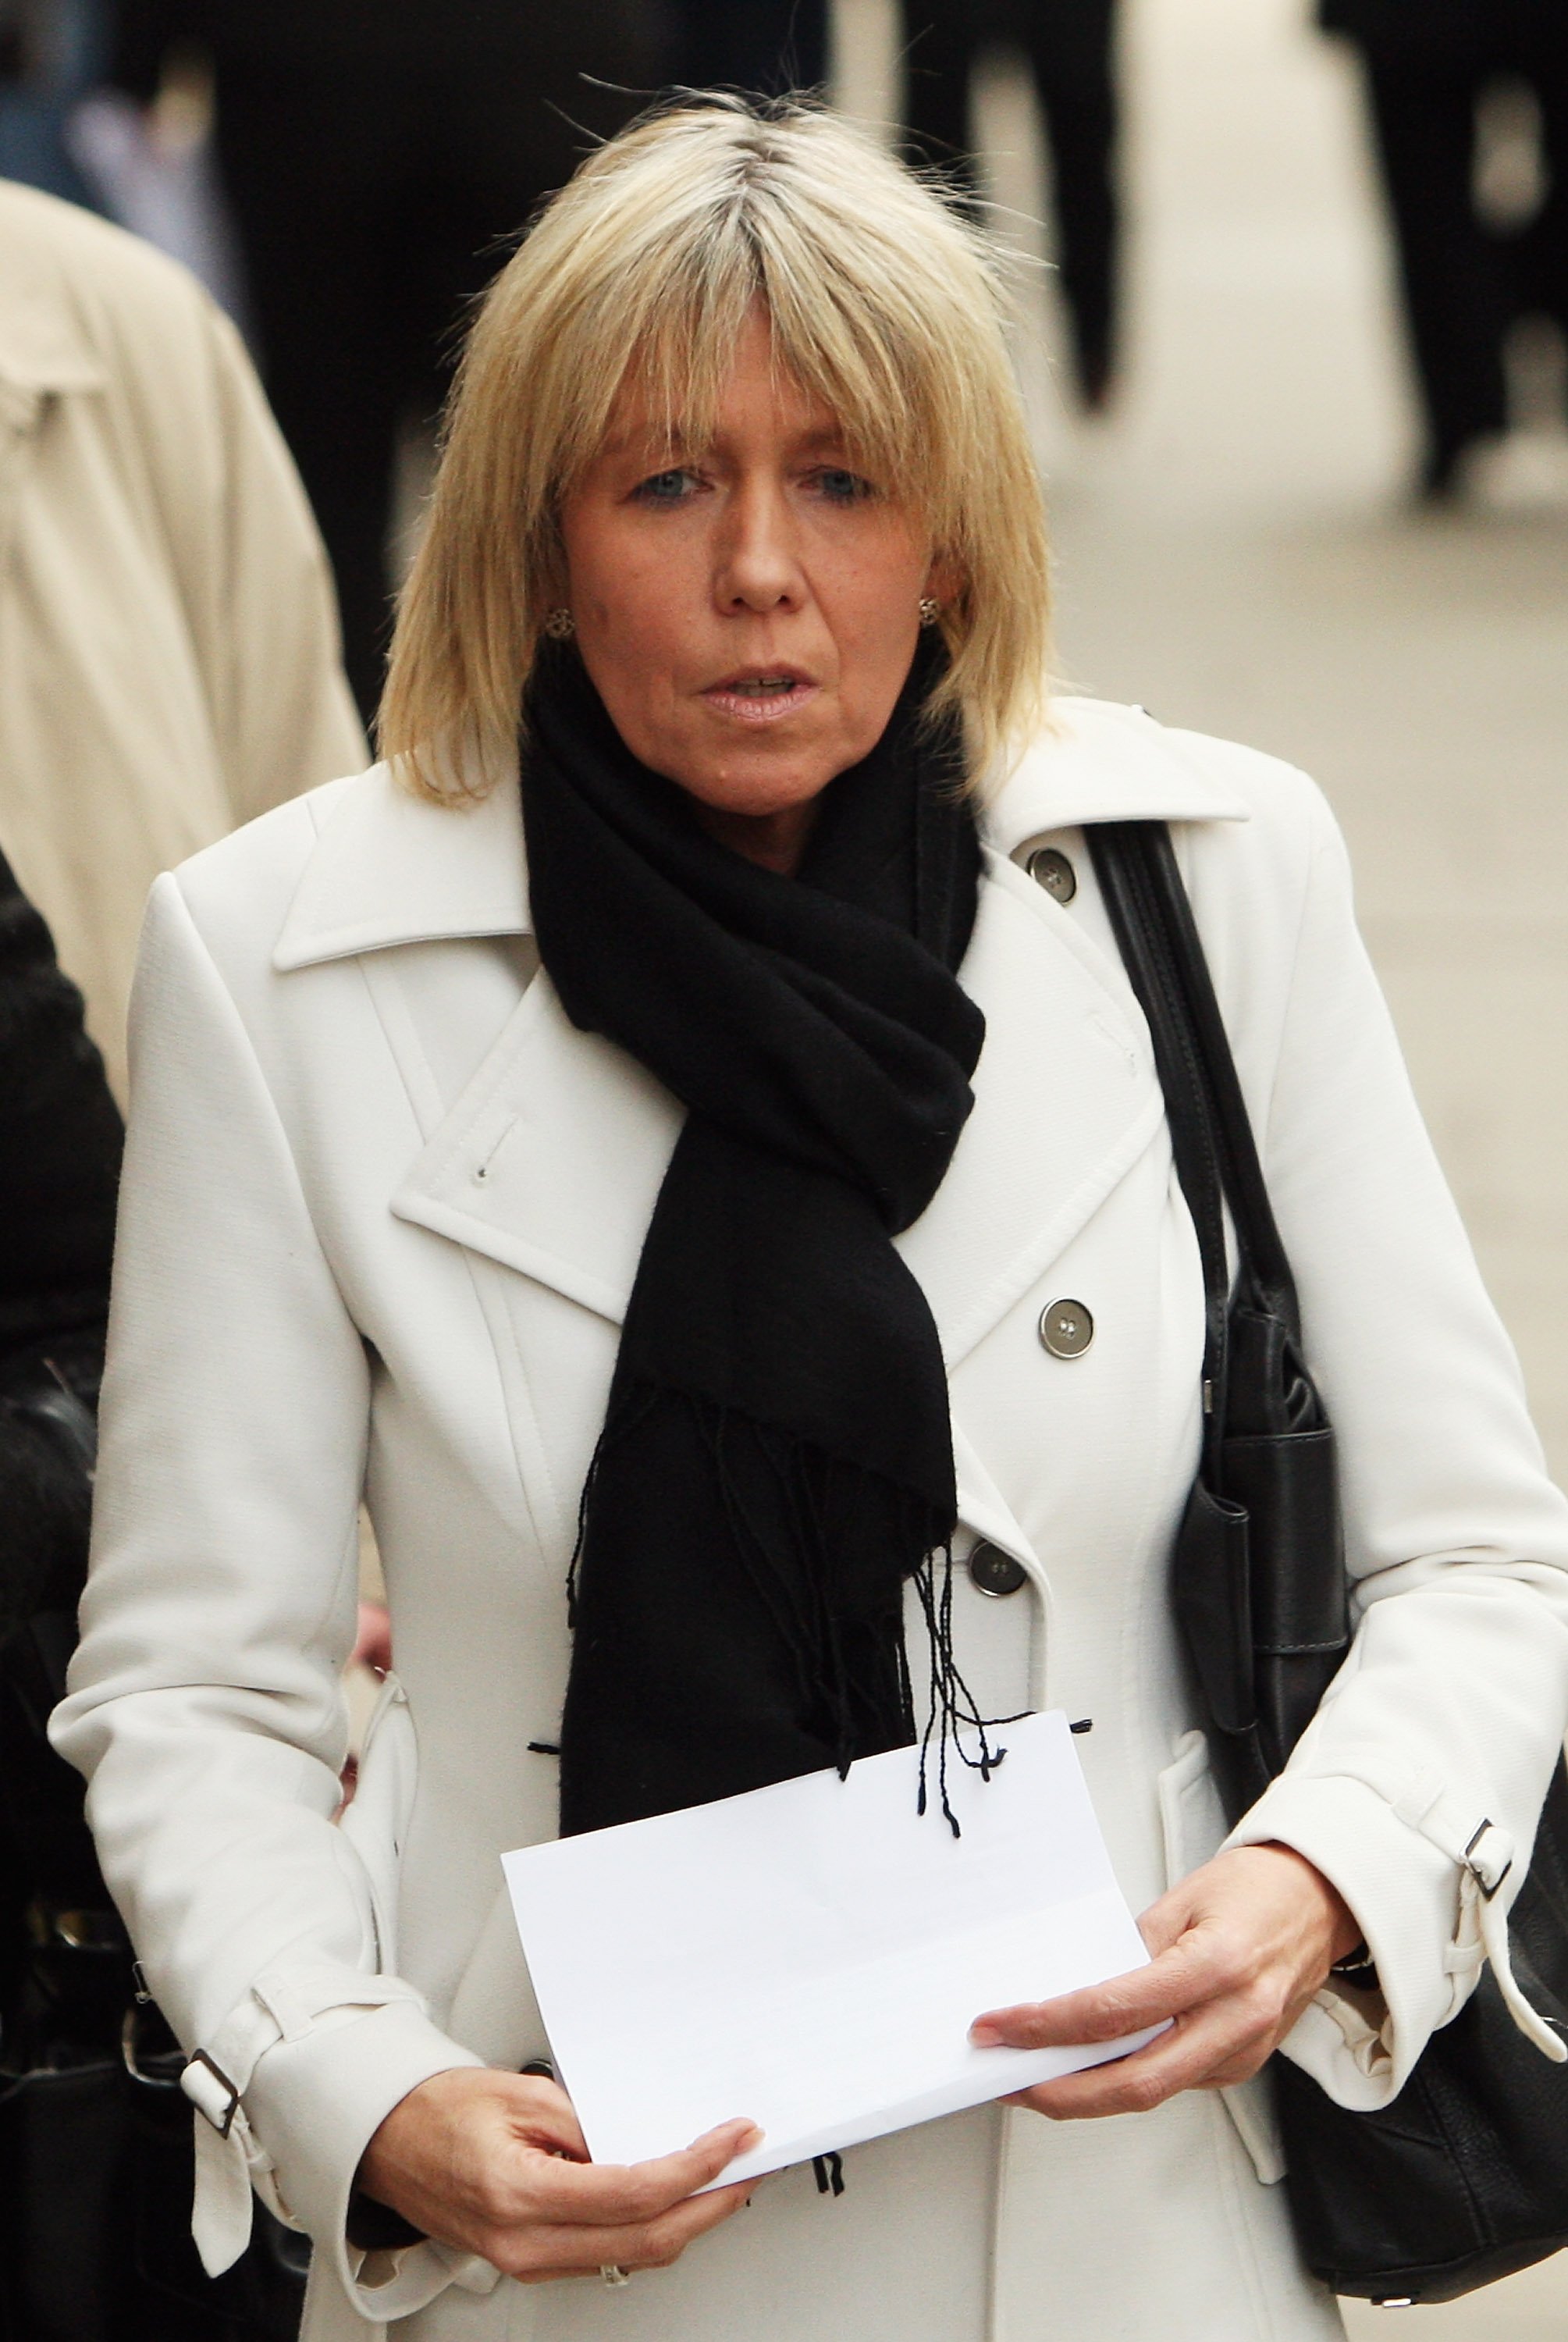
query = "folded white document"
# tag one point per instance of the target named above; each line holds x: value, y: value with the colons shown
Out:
x: 813, y: 1955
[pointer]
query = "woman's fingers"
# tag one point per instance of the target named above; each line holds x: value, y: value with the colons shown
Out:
x: 1104, y: 2012
x: 612, y: 2195
x: 1188, y: 2056
x: 1240, y: 1948
x: 549, y: 2121
x: 495, y: 2164
x: 540, y: 2252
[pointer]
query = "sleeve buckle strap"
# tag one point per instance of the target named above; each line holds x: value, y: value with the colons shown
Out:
x: 1484, y: 1869
x: 1482, y: 1875
x: 211, y: 2092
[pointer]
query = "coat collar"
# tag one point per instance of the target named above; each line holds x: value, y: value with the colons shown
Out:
x: 44, y: 343
x: 1095, y: 761
x: 391, y: 869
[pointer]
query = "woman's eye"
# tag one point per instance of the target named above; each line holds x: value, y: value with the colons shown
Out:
x: 664, y: 487
x: 842, y: 487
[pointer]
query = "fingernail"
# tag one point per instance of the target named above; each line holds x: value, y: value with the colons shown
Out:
x: 741, y: 2133
x: 985, y: 2036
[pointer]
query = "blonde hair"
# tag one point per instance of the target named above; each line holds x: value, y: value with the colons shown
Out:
x: 883, y: 302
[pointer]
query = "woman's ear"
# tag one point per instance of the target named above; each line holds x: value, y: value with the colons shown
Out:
x: 943, y: 579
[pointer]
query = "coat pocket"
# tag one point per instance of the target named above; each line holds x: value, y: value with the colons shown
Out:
x: 1193, y: 1822
x: 375, y: 1820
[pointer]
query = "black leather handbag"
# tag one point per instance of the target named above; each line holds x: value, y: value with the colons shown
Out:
x: 1465, y: 2177
x: 96, y: 2163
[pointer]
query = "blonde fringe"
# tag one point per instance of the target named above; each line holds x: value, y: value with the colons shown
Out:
x: 883, y: 302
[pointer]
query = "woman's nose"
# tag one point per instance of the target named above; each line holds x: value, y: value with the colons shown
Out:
x: 758, y: 565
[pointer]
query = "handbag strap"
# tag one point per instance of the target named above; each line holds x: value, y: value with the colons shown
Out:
x: 1157, y: 896
x: 1212, y: 1139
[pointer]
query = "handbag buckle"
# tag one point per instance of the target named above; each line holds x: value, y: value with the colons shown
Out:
x: 1488, y: 1887
x: 198, y: 2088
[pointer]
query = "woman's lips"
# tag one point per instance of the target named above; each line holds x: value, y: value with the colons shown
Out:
x: 762, y: 697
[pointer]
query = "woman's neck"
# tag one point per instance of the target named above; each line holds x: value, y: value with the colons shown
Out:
x: 774, y: 841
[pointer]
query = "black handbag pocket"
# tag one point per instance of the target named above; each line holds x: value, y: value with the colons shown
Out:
x: 97, y: 2167
x: 1287, y: 1485
x: 64, y: 2135
x: 96, y: 2174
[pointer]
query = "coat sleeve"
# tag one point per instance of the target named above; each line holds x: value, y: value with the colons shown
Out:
x: 1450, y: 1711
x: 206, y: 1704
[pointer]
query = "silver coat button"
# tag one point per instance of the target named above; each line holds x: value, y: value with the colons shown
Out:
x: 995, y: 1572
x: 1054, y: 872
x: 1066, y: 1328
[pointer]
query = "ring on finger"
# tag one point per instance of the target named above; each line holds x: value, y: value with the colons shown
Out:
x: 614, y: 2274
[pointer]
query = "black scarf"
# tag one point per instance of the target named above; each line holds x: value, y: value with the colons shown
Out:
x: 776, y: 1457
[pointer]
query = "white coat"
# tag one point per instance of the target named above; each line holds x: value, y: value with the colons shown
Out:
x: 383, y: 1210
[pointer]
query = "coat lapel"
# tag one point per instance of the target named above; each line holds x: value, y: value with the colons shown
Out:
x: 549, y: 1158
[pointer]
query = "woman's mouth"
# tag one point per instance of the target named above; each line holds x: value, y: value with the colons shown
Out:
x: 762, y: 695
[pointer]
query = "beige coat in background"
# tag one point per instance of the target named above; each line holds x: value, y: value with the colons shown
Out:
x: 168, y: 641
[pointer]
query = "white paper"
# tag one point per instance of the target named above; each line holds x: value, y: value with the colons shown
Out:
x: 813, y: 1955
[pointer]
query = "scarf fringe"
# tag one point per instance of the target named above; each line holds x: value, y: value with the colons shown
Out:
x: 866, y: 1698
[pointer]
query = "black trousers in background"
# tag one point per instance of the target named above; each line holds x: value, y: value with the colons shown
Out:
x: 1070, y: 47
x: 1463, y: 283
x: 375, y: 191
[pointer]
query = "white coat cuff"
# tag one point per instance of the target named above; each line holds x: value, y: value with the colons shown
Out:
x: 314, y: 2104
x: 1404, y: 1894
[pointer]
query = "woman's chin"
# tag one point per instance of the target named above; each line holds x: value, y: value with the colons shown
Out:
x: 759, y: 776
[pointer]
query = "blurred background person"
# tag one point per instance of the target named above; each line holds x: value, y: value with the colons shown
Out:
x: 95, y: 2157
x: 168, y: 645
x: 765, y: 46
x: 1069, y: 48
x: 59, y: 1170
x: 50, y: 53
x: 377, y: 157
x: 1465, y: 275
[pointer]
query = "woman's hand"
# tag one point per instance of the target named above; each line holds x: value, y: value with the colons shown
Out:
x: 1238, y: 1951
x: 495, y: 2164
x: 372, y: 1645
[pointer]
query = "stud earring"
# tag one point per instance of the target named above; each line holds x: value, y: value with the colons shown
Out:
x: 560, y: 625
x: 930, y: 610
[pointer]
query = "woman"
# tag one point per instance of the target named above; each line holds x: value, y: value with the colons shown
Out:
x: 737, y: 504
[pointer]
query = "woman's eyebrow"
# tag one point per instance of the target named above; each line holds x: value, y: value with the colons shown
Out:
x: 820, y: 436
x: 650, y: 442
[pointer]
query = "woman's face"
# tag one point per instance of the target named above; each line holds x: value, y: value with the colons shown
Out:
x: 747, y: 609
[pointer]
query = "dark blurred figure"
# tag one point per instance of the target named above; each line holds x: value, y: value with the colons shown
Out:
x: 376, y: 155
x: 1070, y: 48
x: 765, y: 47
x: 59, y: 1169
x: 50, y: 53
x: 1428, y: 63
x: 96, y: 2153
